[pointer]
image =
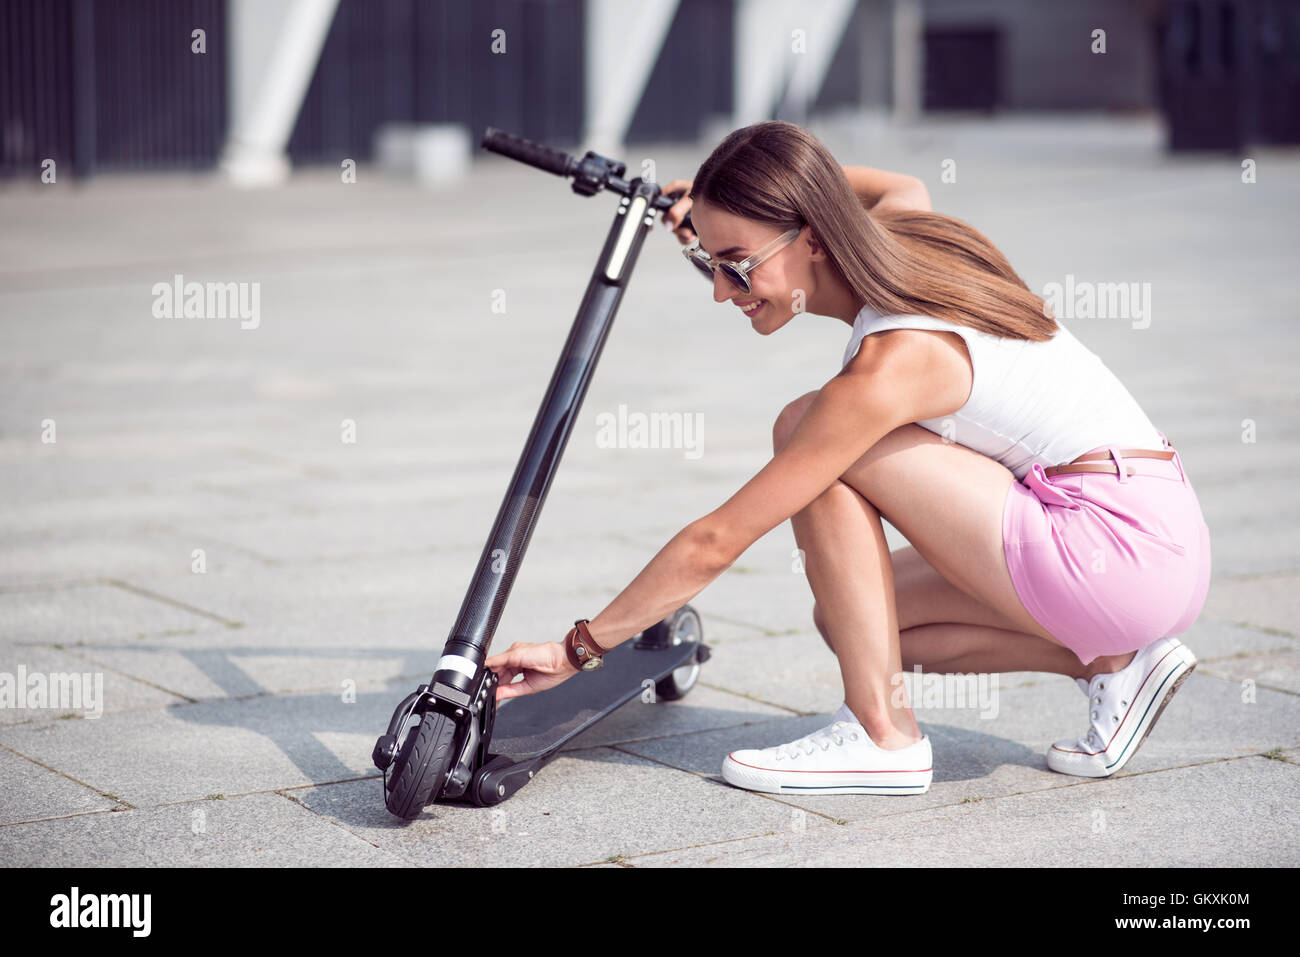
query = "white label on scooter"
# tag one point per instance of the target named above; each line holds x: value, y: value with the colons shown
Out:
x: 457, y: 663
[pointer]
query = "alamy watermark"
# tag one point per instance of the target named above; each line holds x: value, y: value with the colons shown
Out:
x: 75, y: 909
x: 1099, y: 300
x: 56, y: 690
x: 179, y: 299
x: 651, y: 430
x: 935, y: 690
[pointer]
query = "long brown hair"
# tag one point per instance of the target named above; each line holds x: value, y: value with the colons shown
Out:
x: 900, y: 262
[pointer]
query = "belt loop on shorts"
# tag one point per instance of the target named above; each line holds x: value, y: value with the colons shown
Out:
x: 1045, y: 490
x: 1178, y: 459
x: 1119, y: 463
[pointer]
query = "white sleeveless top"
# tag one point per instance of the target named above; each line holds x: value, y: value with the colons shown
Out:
x: 1045, y: 402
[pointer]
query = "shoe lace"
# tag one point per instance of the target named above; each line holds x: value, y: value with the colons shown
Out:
x: 1095, y: 738
x: 820, y: 738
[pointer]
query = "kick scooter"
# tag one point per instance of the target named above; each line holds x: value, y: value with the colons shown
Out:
x: 446, y: 740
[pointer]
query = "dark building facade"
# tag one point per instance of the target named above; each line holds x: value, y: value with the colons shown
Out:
x: 117, y: 84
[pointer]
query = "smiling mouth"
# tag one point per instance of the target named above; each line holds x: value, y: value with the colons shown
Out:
x: 753, y: 307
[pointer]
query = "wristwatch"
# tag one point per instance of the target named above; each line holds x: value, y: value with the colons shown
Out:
x: 582, y: 649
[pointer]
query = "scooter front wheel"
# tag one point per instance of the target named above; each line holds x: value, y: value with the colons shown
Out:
x: 420, y: 768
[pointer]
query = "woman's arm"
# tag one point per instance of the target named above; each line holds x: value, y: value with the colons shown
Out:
x: 677, y: 574
x: 880, y: 189
x: 681, y: 570
x: 896, y: 377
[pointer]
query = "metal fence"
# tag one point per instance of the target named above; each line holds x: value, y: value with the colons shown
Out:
x: 111, y: 84
x: 119, y: 85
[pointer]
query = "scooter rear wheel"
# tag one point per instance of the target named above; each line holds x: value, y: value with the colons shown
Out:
x: 681, y: 625
x: 420, y: 768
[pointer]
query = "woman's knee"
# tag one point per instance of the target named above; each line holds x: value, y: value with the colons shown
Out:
x: 788, y: 419
x: 820, y: 622
x: 905, y: 646
x: 912, y: 574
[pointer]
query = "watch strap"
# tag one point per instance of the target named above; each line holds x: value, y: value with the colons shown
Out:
x: 579, y: 636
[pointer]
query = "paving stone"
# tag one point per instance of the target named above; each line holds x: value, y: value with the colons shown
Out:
x: 93, y: 611
x: 62, y: 557
x: 1211, y: 640
x: 1161, y: 819
x: 32, y: 792
x: 989, y: 751
x: 795, y: 672
x: 122, y: 511
x: 1279, y: 670
x: 1267, y: 602
x: 222, y: 746
x: 581, y: 809
x: 97, y: 690
x: 256, y: 830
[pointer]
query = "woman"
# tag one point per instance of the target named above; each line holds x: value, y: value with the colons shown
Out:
x: 1052, y: 526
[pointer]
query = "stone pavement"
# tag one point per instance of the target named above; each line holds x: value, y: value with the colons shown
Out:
x: 256, y: 593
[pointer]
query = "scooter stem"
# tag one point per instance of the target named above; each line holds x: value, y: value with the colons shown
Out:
x: 458, y: 674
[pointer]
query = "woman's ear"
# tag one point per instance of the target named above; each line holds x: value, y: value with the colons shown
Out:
x: 815, y: 248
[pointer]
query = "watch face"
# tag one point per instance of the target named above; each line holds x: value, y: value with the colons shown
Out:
x: 591, y: 664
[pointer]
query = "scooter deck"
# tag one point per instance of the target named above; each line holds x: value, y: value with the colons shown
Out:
x: 533, y: 725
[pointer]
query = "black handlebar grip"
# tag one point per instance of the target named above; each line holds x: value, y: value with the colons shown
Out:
x: 526, y: 151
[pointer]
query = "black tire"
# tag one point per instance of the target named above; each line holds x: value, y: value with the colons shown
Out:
x: 683, y: 624
x: 421, y: 766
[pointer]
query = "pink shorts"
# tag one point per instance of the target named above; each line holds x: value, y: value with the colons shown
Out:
x: 1107, y: 564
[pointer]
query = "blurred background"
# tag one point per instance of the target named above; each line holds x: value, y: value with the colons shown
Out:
x: 117, y: 85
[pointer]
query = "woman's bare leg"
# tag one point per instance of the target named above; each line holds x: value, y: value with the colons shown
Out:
x: 942, y: 629
x: 865, y: 590
x: 947, y: 500
x: 847, y: 564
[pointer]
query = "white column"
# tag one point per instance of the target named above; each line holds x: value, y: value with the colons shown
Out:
x: 823, y: 23
x: 909, y: 53
x: 275, y: 46
x: 622, y: 43
x: 762, y: 56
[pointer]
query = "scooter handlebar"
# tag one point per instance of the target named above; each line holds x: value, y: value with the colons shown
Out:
x: 526, y: 151
x: 564, y: 164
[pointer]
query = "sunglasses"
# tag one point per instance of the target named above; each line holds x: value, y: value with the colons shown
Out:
x: 737, y: 272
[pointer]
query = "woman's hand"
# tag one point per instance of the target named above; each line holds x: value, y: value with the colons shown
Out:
x: 674, y: 215
x: 543, y: 666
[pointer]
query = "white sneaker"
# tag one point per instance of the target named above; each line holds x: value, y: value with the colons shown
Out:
x: 1123, y: 708
x: 838, y: 759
